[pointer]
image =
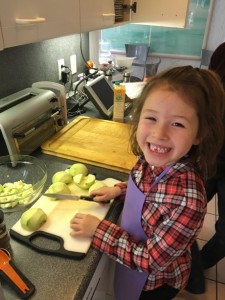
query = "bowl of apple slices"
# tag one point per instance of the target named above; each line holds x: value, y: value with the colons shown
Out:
x: 22, y: 179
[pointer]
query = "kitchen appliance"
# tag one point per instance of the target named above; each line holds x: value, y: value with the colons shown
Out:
x: 30, y: 116
x: 100, y: 91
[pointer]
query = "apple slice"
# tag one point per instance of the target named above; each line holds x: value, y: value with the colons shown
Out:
x: 58, y: 188
x: 78, y: 169
x: 33, y: 219
x: 96, y: 185
x: 84, y: 182
x: 62, y: 176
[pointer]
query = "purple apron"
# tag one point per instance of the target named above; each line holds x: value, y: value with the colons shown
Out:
x: 128, y: 283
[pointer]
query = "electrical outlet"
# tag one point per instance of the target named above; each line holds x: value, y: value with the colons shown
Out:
x: 73, y: 63
x: 61, y: 62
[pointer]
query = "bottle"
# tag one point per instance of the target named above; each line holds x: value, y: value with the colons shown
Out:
x: 119, y: 102
x: 4, y: 235
x: 126, y: 77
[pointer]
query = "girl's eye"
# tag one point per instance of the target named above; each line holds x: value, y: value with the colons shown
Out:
x: 151, y: 118
x: 176, y: 124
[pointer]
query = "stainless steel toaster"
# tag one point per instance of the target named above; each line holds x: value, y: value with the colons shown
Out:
x: 29, y: 117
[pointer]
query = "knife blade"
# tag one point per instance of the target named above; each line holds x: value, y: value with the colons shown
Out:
x: 68, y: 196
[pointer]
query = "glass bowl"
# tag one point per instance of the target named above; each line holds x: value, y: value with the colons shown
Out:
x: 123, y: 61
x: 22, y: 178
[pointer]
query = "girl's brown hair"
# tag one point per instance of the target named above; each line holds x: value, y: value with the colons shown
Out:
x: 204, y: 91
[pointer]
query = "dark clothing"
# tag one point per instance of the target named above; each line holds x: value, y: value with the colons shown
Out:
x: 164, y: 292
x: 217, y: 61
x: 217, y: 185
x: 214, y: 250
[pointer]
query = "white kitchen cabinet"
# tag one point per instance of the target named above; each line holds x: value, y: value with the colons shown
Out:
x: 25, y: 21
x: 98, y: 286
x: 171, y: 13
x: 96, y: 14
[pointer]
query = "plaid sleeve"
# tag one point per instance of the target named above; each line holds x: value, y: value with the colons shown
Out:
x: 171, y: 223
x: 122, y: 186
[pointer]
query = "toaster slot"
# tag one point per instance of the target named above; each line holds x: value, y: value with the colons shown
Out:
x: 26, y: 132
x: 27, y: 143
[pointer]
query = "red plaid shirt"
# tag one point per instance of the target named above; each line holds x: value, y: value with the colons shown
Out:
x: 173, y: 214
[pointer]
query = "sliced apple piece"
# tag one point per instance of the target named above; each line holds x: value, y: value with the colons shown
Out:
x: 62, y: 176
x: 96, y: 185
x: 78, y: 168
x: 84, y: 182
x: 33, y: 219
x: 58, y: 188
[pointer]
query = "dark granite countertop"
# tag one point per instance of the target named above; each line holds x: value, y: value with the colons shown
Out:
x: 57, y: 277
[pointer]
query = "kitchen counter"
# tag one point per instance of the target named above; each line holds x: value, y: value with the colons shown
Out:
x: 56, y: 277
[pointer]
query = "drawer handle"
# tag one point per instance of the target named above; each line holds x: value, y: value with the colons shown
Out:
x: 108, y: 15
x: 30, y: 21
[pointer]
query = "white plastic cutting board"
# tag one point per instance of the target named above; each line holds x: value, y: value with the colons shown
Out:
x: 60, y: 212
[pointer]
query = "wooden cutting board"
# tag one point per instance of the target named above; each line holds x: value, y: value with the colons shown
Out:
x: 93, y: 141
x: 57, y: 226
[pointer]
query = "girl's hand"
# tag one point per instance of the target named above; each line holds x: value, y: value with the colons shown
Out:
x: 83, y: 225
x: 106, y: 193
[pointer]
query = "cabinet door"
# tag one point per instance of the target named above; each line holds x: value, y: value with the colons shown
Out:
x: 96, y: 14
x: 25, y: 21
x: 171, y: 13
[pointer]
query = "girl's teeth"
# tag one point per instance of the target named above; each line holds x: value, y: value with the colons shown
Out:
x: 158, y: 149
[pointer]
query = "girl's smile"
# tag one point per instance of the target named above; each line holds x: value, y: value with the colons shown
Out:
x: 168, y: 127
x: 158, y: 149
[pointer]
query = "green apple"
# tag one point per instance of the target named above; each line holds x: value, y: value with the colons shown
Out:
x: 96, y: 185
x: 33, y: 219
x: 84, y: 182
x: 78, y: 168
x: 59, y: 188
x: 62, y: 176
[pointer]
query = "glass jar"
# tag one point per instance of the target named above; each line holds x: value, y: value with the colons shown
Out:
x: 4, y: 235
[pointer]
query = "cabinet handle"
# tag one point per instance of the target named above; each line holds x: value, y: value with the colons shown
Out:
x: 30, y: 21
x: 108, y: 15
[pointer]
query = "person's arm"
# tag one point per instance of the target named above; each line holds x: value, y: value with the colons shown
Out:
x: 107, y: 193
x: 171, y: 229
x: 85, y: 224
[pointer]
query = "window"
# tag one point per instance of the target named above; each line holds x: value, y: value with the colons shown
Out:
x: 164, y: 40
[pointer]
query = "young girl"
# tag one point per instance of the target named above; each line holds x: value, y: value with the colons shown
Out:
x: 177, y: 133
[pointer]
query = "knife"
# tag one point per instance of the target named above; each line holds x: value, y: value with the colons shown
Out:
x: 68, y: 196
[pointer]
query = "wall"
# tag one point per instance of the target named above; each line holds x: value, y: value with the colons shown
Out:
x: 215, y: 37
x: 22, y: 65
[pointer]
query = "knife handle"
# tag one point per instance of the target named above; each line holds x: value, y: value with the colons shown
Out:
x: 88, y: 198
